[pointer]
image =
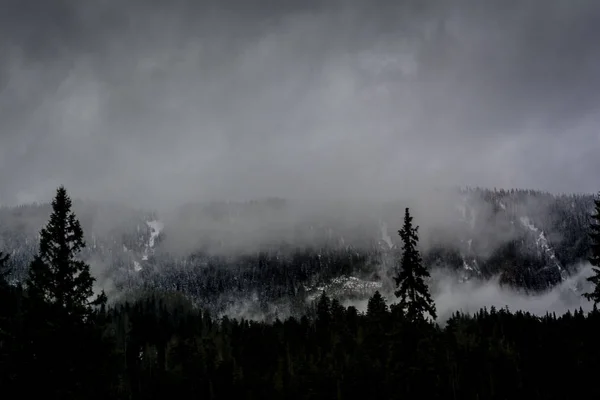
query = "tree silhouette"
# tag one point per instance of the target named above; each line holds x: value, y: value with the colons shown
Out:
x: 55, y: 276
x: 4, y: 270
x: 324, y: 310
x: 413, y: 292
x: 595, y: 254
x: 376, y: 307
x: 63, y: 335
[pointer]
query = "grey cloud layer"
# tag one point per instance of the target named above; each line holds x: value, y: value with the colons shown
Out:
x: 160, y: 103
x: 471, y: 296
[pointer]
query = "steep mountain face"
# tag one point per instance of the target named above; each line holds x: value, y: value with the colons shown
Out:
x: 274, y: 254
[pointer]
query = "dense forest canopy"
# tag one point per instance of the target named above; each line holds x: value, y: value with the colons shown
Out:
x: 159, y: 343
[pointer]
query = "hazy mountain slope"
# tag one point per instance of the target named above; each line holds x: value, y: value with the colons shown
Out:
x: 272, y: 250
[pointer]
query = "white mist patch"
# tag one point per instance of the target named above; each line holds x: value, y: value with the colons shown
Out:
x: 385, y: 236
x: 137, y: 267
x: 103, y: 281
x: 470, y: 296
x: 155, y: 228
x: 249, y: 309
x: 451, y: 295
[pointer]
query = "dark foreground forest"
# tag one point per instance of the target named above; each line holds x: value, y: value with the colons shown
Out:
x: 61, y: 341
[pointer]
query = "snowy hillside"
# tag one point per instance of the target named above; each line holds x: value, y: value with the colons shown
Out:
x: 268, y: 250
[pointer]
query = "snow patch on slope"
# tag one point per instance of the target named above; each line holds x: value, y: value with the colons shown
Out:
x: 470, y: 268
x: 542, y: 243
x: 344, y: 286
x: 155, y: 228
x: 467, y: 266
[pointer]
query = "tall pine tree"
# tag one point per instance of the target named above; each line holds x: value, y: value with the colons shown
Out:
x: 413, y: 292
x: 56, y: 276
x: 64, y: 342
x: 595, y: 254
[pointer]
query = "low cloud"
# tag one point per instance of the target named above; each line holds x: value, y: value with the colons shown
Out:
x: 166, y: 102
x: 471, y: 296
x: 451, y: 295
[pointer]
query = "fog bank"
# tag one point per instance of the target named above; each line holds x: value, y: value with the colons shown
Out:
x: 159, y: 103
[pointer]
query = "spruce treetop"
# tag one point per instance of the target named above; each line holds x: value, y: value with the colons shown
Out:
x: 56, y: 276
x: 413, y: 292
x: 376, y: 307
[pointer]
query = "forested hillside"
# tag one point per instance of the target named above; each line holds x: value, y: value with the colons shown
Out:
x: 268, y: 257
x: 55, y: 332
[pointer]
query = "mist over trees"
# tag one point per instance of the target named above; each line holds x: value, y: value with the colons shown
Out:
x: 56, y: 333
x: 369, y: 275
x: 264, y: 259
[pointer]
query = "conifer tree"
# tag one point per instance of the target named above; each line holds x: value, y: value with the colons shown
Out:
x: 4, y: 271
x: 594, y: 258
x: 324, y: 310
x: 413, y: 292
x: 376, y: 307
x: 56, y: 276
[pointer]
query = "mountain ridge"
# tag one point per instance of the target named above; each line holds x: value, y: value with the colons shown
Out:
x: 267, y: 252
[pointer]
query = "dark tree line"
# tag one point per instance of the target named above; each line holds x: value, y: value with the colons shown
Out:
x: 59, y: 340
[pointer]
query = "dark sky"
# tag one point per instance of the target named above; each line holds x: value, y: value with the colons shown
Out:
x: 165, y: 102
